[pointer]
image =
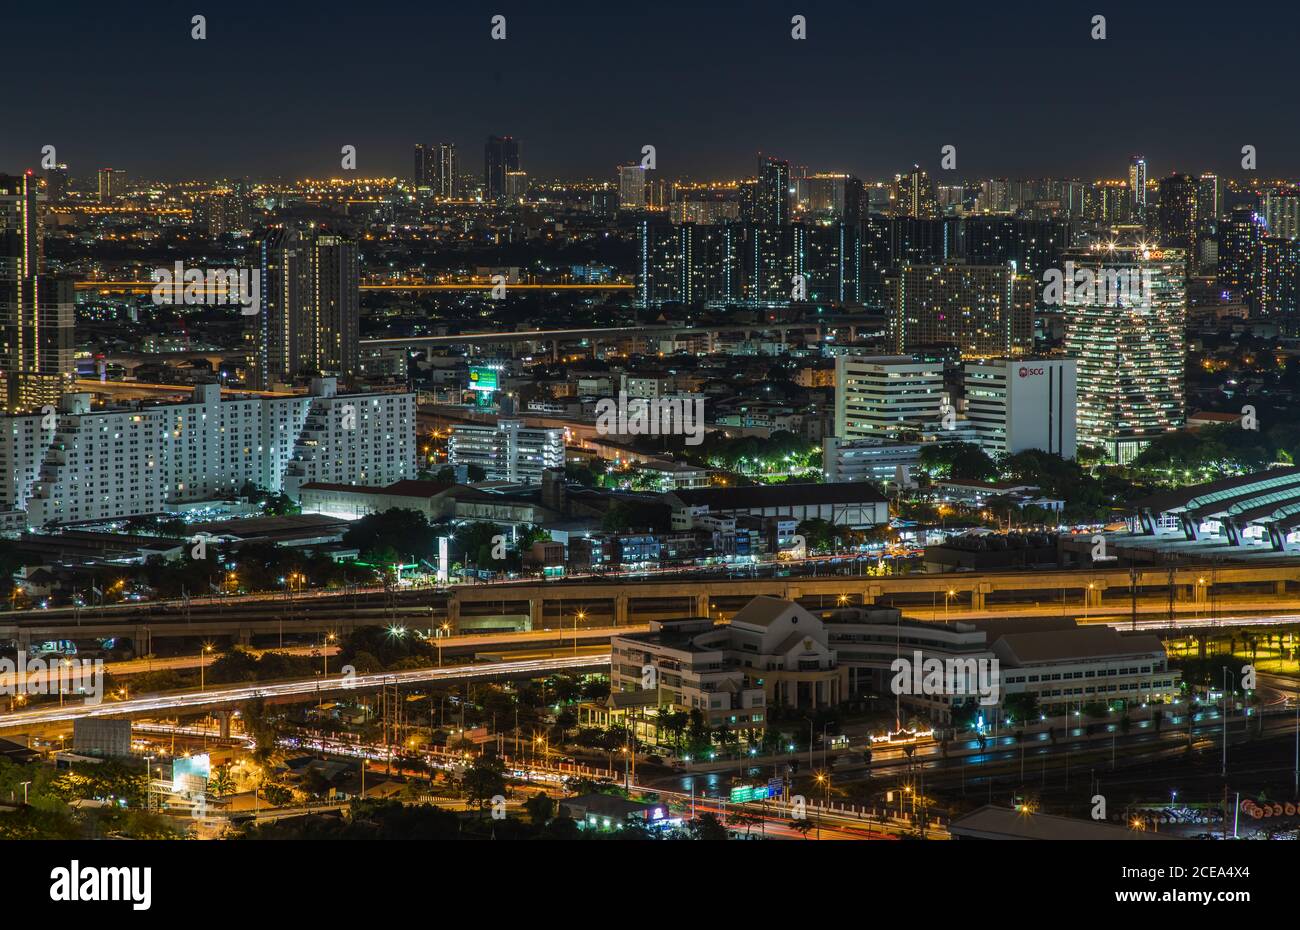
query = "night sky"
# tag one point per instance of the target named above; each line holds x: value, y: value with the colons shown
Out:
x: 1020, y: 88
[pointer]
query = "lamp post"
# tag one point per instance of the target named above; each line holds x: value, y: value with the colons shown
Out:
x: 1226, y: 673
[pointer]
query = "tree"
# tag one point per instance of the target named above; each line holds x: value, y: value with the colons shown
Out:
x: 484, y: 780
x: 958, y: 460
x: 540, y: 808
x: 707, y: 827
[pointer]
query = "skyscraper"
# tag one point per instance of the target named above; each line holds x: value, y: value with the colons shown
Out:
x: 631, y: 187
x: 914, y: 195
x: 1137, y: 186
x: 56, y: 184
x: 112, y: 184
x: 500, y: 156
x: 310, y: 313
x: 420, y: 172
x: 1281, y: 209
x: 36, y: 309
x: 1239, y: 236
x: 442, y: 172
x: 1127, y: 332
x: 772, y: 204
x: 1178, y: 222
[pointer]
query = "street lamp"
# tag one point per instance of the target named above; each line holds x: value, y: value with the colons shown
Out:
x: 580, y: 615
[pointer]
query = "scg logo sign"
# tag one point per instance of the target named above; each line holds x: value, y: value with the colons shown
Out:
x: 1030, y: 372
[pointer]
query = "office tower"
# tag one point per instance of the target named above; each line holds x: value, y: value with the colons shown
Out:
x: 56, y: 184
x: 144, y: 457
x: 1125, y: 317
x: 442, y: 172
x: 1238, y: 256
x: 310, y: 313
x: 516, y: 186
x: 772, y: 203
x: 1024, y: 403
x: 982, y: 310
x: 1278, y: 286
x: 1178, y: 223
x: 112, y: 184
x: 631, y: 187
x: 508, y: 451
x: 37, y: 310
x: 914, y: 195
x: 500, y: 156
x: 1033, y: 245
x: 420, y: 173
x: 882, y: 396
x: 1281, y: 210
x: 1137, y: 186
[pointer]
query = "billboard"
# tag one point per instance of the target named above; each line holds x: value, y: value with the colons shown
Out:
x: 190, y: 774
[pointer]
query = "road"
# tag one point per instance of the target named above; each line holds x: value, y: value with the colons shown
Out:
x: 218, y: 697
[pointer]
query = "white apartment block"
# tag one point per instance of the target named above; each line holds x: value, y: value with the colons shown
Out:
x: 1019, y: 404
x: 508, y: 451
x: 875, y: 395
x: 114, y: 462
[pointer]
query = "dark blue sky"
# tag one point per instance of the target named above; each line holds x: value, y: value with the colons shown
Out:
x: 1019, y: 88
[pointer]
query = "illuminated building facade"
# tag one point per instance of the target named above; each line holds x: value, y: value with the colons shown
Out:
x: 1128, y: 338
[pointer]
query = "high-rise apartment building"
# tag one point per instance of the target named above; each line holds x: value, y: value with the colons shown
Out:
x: 1281, y: 210
x: 500, y: 156
x: 1126, y: 331
x: 982, y: 310
x: 309, y: 320
x: 112, y: 184
x: 144, y: 458
x: 772, y: 205
x: 442, y: 177
x: 914, y: 195
x: 632, y: 187
x: 1178, y: 223
x: 37, y: 310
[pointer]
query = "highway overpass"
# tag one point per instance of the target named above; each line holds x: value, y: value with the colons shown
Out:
x: 226, y: 697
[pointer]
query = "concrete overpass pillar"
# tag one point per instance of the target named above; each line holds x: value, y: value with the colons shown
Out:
x: 1094, y: 591
x: 245, y: 637
x: 535, y: 612
x: 453, y: 613
x: 1279, y: 587
x: 976, y: 598
x: 621, y: 610
x: 702, y: 605
x: 1201, y: 592
x: 223, y: 720
x: 870, y: 593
